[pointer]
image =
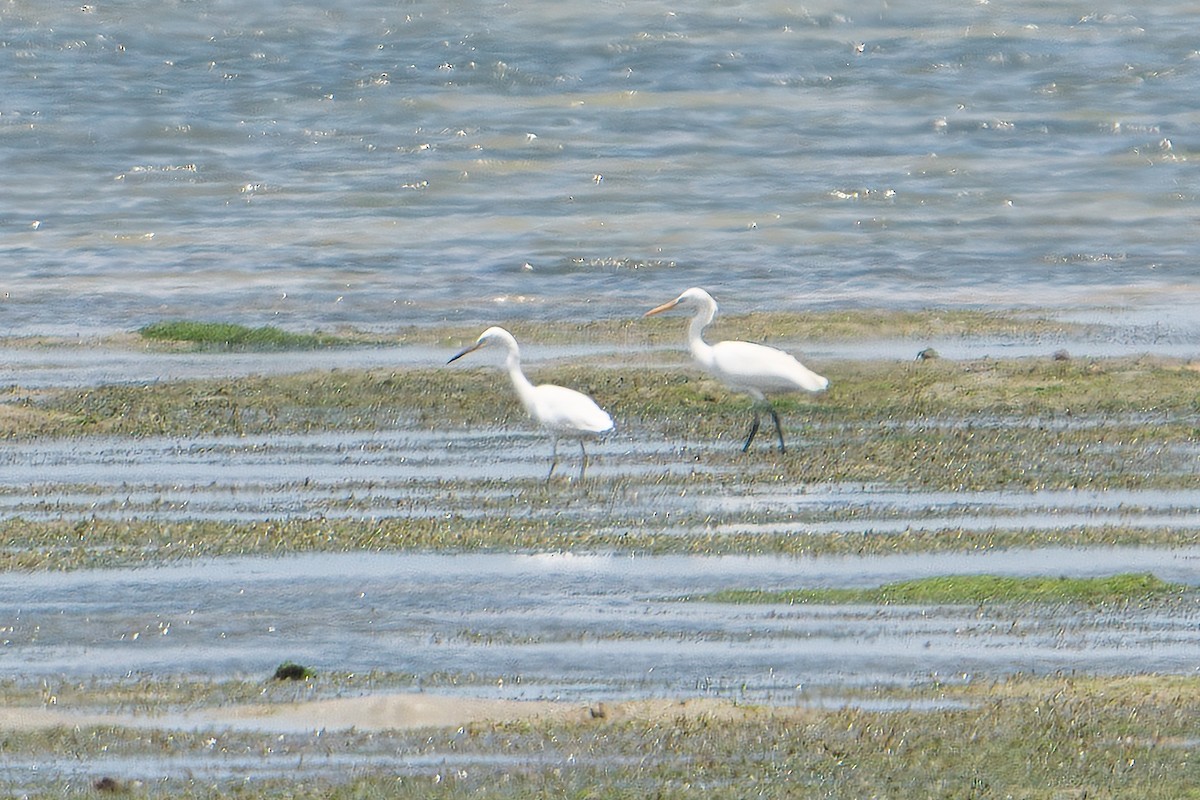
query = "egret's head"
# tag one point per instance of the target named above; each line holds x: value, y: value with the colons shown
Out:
x: 692, y: 299
x: 493, y: 335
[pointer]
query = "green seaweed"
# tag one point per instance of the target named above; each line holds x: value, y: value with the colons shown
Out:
x: 971, y: 589
x: 231, y: 336
x: 291, y: 671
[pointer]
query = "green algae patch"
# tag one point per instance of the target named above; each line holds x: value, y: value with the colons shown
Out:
x: 231, y: 336
x: 972, y: 590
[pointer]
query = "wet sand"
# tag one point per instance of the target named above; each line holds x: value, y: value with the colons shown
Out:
x: 378, y: 712
x: 389, y: 712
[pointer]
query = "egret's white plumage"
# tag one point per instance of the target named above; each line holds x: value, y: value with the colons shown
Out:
x: 561, y: 411
x: 754, y: 369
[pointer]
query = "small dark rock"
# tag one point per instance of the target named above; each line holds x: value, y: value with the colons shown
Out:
x: 288, y: 671
x: 107, y: 784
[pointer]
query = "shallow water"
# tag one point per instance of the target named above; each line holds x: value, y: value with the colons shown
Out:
x: 582, y: 627
x: 374, y: 165
x: 568, y: 626
x: 33, y: 368
x: 300, y: 761
x: 44, y: 367
x: 420, y: 474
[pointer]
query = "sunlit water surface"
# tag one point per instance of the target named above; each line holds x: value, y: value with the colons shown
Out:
x: 375, y: 164
x: 584, y: 626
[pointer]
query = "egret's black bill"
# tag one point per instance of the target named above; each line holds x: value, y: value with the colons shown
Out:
x: 470, y: 349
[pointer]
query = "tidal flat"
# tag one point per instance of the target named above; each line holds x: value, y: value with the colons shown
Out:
x: 170, y: 541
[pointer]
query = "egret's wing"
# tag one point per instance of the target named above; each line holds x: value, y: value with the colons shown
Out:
x: 765, y: 369
x: 568, y: 411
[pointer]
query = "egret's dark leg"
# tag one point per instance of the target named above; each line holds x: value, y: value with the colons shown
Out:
x: 778, y: 428
x: 553, y: 460
x: 582, y: 464
x: 753, y: 430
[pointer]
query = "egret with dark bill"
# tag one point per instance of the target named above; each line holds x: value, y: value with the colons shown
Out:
x: 563, y: 412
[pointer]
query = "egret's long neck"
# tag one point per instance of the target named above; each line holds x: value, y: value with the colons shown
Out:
x: 519, y: 381
x: 701, y: 350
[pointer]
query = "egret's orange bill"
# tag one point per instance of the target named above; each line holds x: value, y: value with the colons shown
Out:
x: 663, y: 307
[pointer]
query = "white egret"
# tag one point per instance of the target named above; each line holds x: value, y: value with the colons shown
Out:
x: 561, y: 411
x: 753, y: 369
